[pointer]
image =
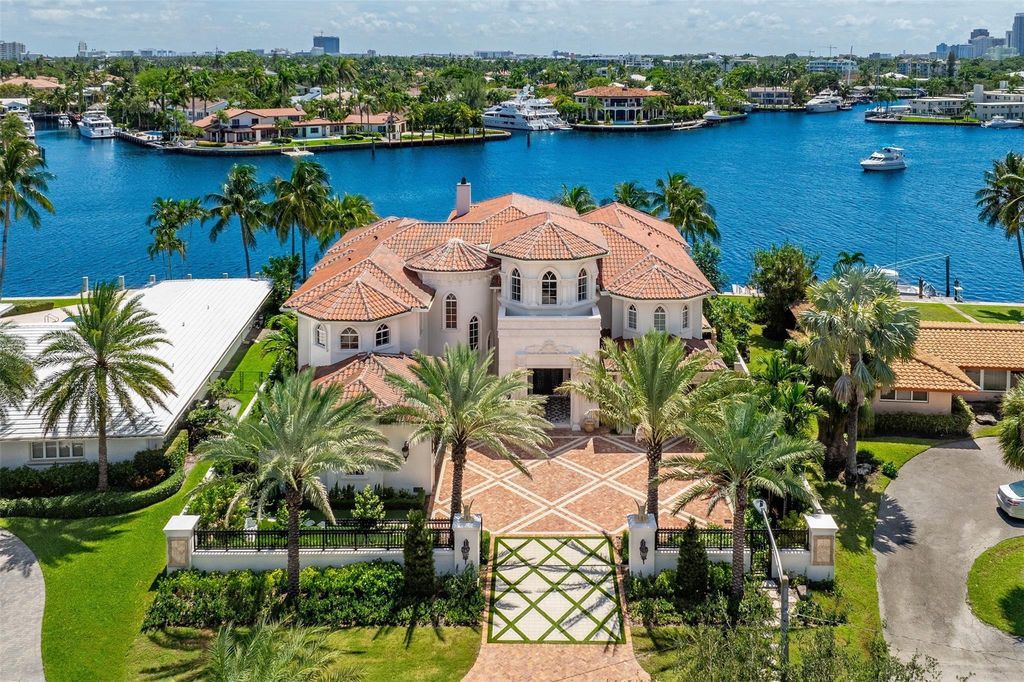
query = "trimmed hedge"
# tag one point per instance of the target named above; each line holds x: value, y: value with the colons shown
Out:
x: 364, y: 594
x: 79, y: 505
x: 954, y: 425
x: 25, y: 308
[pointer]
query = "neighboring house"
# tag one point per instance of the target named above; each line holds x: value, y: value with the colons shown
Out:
x: 946, y: 105
x: 39, y: 83
x: 205, y: 322
x: 1000, y: 102
x: 619, y: 102
x: 257, y: 125
x: 8, y: 104
x: 977, y: 361
x: 770, y: 96
x: 202, y: 108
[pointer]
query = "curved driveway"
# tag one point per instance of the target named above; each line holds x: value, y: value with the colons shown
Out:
x: 22, y: 595
x: 933, y: 522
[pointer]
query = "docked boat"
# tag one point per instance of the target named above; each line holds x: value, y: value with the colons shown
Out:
x: 713, y: 115
x: 296, y: 153
x: 1002, y: 123
x: 26, y: 120
x: 525, y: 112
x: 96, y: 125
x: 63, y: 121
x: 823, y: 103
x: 886, y: 159
x: 882, y: 110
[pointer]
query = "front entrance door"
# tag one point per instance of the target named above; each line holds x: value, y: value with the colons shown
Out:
x: 557, y: 406
x: 546, y: 380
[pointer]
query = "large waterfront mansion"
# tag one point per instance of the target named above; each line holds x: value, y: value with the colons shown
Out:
x: 531, y: 279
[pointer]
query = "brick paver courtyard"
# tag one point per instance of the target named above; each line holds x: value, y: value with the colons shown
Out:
x: 588, y: 484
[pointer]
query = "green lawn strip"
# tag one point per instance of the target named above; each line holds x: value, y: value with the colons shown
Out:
x: 995, y: 586
x: 938, y: 312
x: 381, y: 654
x: 759, y: 346
x: 991, y: 431
x: 993, y: 314
x: 98, y: 573
x: 245, y: 377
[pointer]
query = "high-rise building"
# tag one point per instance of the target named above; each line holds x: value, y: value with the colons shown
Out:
x: 83, y: 48
x: 329, y: 44
x: 14, y: 52
x: 1017, y: 35
x: 979, y: 32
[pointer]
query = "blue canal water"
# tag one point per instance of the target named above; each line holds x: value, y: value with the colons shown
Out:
x: 771, y: 178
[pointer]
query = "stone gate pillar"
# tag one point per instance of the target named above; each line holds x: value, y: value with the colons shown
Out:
x: 642, y: 544
x: 180, y: 533
x: 821, y: 537
x: 466, y: 532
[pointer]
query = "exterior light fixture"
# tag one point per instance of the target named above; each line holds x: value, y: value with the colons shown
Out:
x: 643, y: 551
x: 405, y: 451
x: 465, y: 551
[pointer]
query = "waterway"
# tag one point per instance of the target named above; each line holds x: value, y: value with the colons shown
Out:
x: 772, y: 178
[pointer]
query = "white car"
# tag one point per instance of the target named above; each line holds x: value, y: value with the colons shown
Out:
x: 1010, y: 498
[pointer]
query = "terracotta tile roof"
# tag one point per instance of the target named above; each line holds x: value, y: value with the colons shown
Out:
x: 926, y: 372
x: 967, y: 345
x: 509, y: 207
x: 279, y: 112
x: 614, y: 91
x: 365, y: 374
x: 38, y: 83
x: 548, y: 236
x: 372, y: 119
x: 454, y: 255
x: 626, y: 218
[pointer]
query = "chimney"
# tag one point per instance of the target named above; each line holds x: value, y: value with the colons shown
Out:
x: 152, y: 280
x: 120, y: 282
x: 85, y: 285
x: 463, y: 197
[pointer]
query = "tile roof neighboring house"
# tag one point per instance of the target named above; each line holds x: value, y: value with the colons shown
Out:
x: 365, y: 374
x: 38, y: 83
x: 279, y: 112
x: 548, y: 236
x: 455, y: 255
x: 616, y: 91
x: 968, y: 345
x: 926, y: 372
x: 509, y: 207
x: 372, y: 119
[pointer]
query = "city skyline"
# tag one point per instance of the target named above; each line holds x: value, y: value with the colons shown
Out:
x: 55, y: 27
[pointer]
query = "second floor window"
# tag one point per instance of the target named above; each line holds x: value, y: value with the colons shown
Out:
x: 549, y: 289
x: 321, y: 336
x: 515, y: 286
x: 582, y: 285
x: 659, y: 319
x: 383, y: 336
x: 349, y: 339
x: 451, y: 312
x: 631, y: 317
x: 474, y: 332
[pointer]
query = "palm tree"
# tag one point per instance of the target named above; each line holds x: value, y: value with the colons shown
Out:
x: 283, y: 343
x: 857, y: 327
x: 593, y: 107
x: 744, y: 452
x: 104, y: 361
x: 686, y: 206
x: 633, y: 195
x: 651, y: 386
x: 299, y: 204
x: 1001, y: 200
x: 345, y: 73
x: 23, y: 183
x: 849, y: 259
x: 577, y: 197
x: 270, y: 651
x: 455, y: 401
x: 17, y: 373
x: 306, y: 430
x: 342, y: 214
x: 242, y: 197
x: 166, y: 221
x: 1011, y: 432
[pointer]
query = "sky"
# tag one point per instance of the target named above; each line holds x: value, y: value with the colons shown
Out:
x: 55, y: 27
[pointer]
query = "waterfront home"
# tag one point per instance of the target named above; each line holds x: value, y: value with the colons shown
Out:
x: 205, y: 321
x: 258, y: 125
x: 38, y: 83
x: 915, y: 67
x: 530, y: 280
x: 944, y: 106
x: 201, y: 108
x: 619, y: 103
x: 979, y: 362
x: 773, y: 96
x: 18, y: 104
x: 1000, y: 102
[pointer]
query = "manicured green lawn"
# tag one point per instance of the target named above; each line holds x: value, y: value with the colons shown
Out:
x: 993, y: 314
x: 98, y: 574
x: 938, y: 312
x: 759, y: 347
x: 382, y: 654
x: 988, y: 431
x: 252, y: 369
x: 995, y: 586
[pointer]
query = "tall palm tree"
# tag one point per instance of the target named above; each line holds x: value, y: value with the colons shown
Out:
x: 242, y: 197
x: 1001, y: 200
x: 455, y: 401
x: 23, y: 183
x: 104, y: 361
x: 17, y: 373
x: 577, y: 197
x: 168, y: 218
x: 306, y: 430
x: 857, y: 327
x: 686, y: 206
x: 633, y: 195
x: 345, y: 73
x: 299, y: 204
x: 849, y: 259
x: 745, y: 452
x: 1011, y: 433
x: 342, y: 214
x: 270, y: 651
x: 651, y: 386
x: 283, y: 343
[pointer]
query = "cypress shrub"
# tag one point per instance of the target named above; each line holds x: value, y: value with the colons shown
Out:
x: 691, y: 570
x: 418, y: 553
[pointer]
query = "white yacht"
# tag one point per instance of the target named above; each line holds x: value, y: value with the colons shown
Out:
x: 524, y: 112
x: 96, y: 125
x: 882, y: 110
x: 886, y: 159
x: 30, y: 126
x: 713, y: 115
x: 824, y: 102
x: 1002, y: 123
x: 63, y: 121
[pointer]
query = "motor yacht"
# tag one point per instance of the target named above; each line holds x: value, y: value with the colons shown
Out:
x: 26, y: 119
x: 1002, y: 123
x: 823, y: 103
x: 713, y: 115
x: 886, y: 159
x: 524, y: 112
x: 63, y: 121
x: 96, y: 125
x: 882, y: 110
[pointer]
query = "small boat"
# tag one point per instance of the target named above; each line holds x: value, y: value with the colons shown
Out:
x: 886, y: 159
x: 63, y: 121
x: 296, y: 153
x: 883, y: 111
x: 713, y: 115
x: 26, y: 120
x: 1002, y: 123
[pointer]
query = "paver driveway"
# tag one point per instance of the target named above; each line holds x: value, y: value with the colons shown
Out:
x: 554, y: 590
x: 933, y: 522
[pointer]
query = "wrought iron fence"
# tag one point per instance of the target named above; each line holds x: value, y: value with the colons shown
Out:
x: 346, y: 534
x: 721, y: 538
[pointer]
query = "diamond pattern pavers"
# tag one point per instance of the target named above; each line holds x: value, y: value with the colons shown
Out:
x: 554, y: 590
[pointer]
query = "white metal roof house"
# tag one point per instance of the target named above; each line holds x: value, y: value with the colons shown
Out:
x: 205, y: 321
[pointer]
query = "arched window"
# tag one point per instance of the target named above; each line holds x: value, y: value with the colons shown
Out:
x: 659, y: 319
x: 582, y: 285
x: 320, y: 335
x: 451, y: 312
x: 631, y: 317
x: 348, y: 339
x: 549, y: 289
x: 515, y: 285
x: 383, y: 337
x: 474, y: 332
x: 686, y: 317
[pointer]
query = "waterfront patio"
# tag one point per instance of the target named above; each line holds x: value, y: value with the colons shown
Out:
x: 588, y: 484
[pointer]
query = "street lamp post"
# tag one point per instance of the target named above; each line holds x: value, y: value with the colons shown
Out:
x: 761, y: 506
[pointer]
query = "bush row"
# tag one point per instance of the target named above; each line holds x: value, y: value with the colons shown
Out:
x: 344, y: 497
x: 953, y: 425
x: 28, y: 307
x: 369, y: 594
x: 82, y: 505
